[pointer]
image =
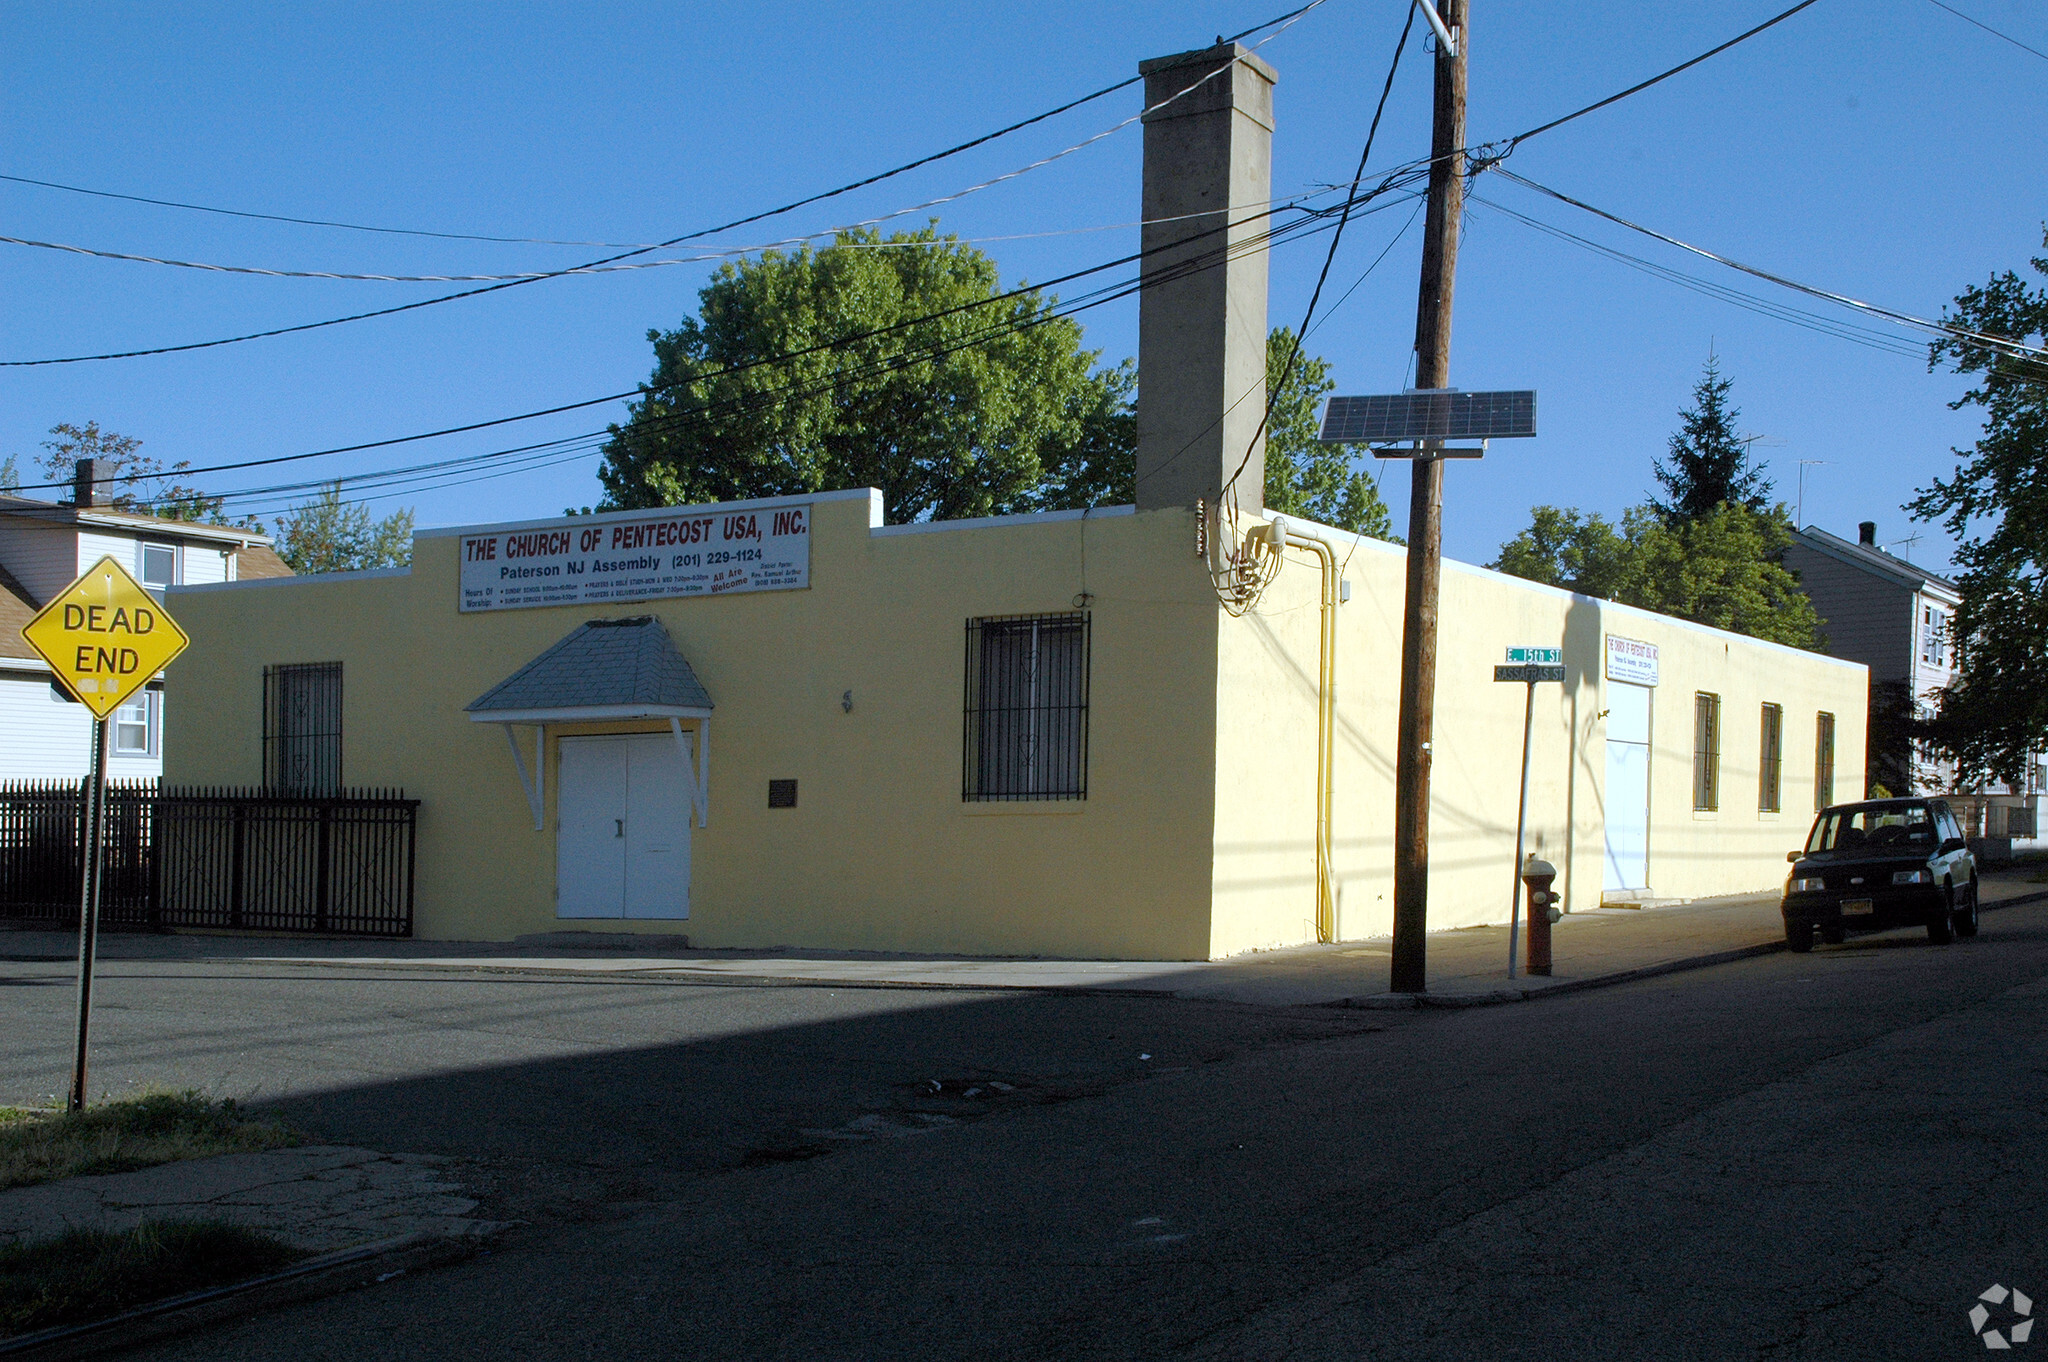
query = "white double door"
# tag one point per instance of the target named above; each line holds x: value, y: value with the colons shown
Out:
x: 622, y: 841
x: 1627, y: 790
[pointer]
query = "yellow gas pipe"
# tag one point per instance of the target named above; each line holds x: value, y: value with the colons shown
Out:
x: 1280, y: 535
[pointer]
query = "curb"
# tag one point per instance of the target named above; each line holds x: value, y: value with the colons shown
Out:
x: 1399, y: 1001
x: 327, y: 1275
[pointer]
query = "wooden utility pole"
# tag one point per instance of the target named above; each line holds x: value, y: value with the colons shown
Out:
x: 1425, y: 514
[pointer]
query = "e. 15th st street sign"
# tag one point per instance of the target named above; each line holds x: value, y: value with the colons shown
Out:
x: 105, y: 637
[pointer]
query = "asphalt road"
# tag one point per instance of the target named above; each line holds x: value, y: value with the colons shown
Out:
x: 1789, y: 1157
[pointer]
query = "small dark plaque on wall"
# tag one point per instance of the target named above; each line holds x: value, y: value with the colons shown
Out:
x: 781, y: 794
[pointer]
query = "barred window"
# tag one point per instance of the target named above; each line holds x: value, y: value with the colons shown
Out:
x: 1823, y: 761
x: 302, y: 728
x: 1706, y: 751
x: 1770, y: 758
x: 1026, y: 711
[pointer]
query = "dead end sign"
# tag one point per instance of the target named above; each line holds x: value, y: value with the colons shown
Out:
x: 105, y: 636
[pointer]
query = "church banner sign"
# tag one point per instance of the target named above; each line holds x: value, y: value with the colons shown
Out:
x: 677, y: 552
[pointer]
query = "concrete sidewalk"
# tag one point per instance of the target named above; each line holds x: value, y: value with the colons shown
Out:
x: 318, y: 1198
x: 1466, y: 967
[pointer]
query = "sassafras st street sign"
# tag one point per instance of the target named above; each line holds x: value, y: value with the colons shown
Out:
x: 105, y: 636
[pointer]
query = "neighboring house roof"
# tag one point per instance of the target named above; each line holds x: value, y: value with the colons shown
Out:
x: 112, y: 518
x: 1874, y: 561
x: 258, y: 561
x: 609, y: 665
x: 17, y: 608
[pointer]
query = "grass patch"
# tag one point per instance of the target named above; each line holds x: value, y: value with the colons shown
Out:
x: 91, y: 1274
x: 130, y: 1133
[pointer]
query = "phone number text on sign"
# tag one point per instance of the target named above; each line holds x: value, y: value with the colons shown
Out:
x: 665, y: 554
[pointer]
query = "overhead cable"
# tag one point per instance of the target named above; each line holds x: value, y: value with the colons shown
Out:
x: 2004, y: 345
x: 1282, y: 26
x: 1315, y: 296
x: 1989, y: 29
x: 1010, y: 295
x: 1840, y: 328
x: 718, y: 253
x: 1508, y: 148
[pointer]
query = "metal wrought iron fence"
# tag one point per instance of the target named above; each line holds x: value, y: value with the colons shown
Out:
x: 249, y: 859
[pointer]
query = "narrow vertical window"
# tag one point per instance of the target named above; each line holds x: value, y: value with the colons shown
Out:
x: 1770, y: 758
x: 1706, y: 751
x: 1933, y: 635
x: 135, y: 725
x: 1823, y: 761
x: 302, y: 728
x: 1026, y: 709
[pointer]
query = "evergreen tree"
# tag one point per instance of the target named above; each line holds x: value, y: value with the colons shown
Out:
x: 1707, y: 462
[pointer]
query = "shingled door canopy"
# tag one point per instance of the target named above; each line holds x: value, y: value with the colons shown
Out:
x: 605, y: 671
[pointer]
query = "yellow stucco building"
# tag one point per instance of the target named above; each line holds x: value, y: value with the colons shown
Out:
x: 1033, y: 735
x: 788, y: 723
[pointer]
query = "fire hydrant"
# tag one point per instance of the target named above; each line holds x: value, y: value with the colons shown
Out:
x: 1543, y: 910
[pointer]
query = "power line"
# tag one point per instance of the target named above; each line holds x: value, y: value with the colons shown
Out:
x: 1301, y: 335
x: 717, y: 253
x: 1840, y: 329
x: 2001, y: 344
x: 1519, y: 138
x: 1989, y: 29
x: 1283, y: 23
x: 1106, y: 295
x: 551, y: 241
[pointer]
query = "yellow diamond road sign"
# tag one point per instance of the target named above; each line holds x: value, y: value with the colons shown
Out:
x: 105, y: 636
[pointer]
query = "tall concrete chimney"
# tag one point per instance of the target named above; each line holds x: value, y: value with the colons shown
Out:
x: 92, y: 482
x: 1202, y: 331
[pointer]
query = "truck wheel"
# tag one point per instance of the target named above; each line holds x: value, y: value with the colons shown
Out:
x: 1798, y: 936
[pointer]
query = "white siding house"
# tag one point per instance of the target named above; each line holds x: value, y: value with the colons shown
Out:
x: 44, y: 545
x: 1895, y: 619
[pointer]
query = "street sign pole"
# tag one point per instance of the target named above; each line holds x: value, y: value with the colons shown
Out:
x: 1529, y: 666
x: 92, y: 853
x: 1521, y: 821
x: 104, y: 637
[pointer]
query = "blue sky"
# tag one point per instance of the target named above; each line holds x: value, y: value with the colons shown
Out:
x: 1880, y: 148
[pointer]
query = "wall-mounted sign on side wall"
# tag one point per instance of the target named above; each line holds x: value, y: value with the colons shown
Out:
x: 664, y: 553
x: 1631, y: 660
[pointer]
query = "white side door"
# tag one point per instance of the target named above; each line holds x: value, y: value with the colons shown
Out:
x: 590, y: 828
x: 1627, y: 863
x: 657, y: 838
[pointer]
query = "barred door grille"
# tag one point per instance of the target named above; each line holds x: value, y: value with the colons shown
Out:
x: 1026, y: 711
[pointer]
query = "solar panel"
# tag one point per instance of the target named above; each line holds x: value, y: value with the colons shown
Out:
x: 1436, y: 414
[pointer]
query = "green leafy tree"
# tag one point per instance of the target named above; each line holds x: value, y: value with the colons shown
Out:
x: 327, y: 534
x: 10, y: 477
x: 1305, y: 477
x: 1578, y: 551
x: 1706, y: 462
x: 891, y: 363
x: 142, y: 485
x: 1721, y: 569
x: 1996, y: 507
x: 1099, y: 467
